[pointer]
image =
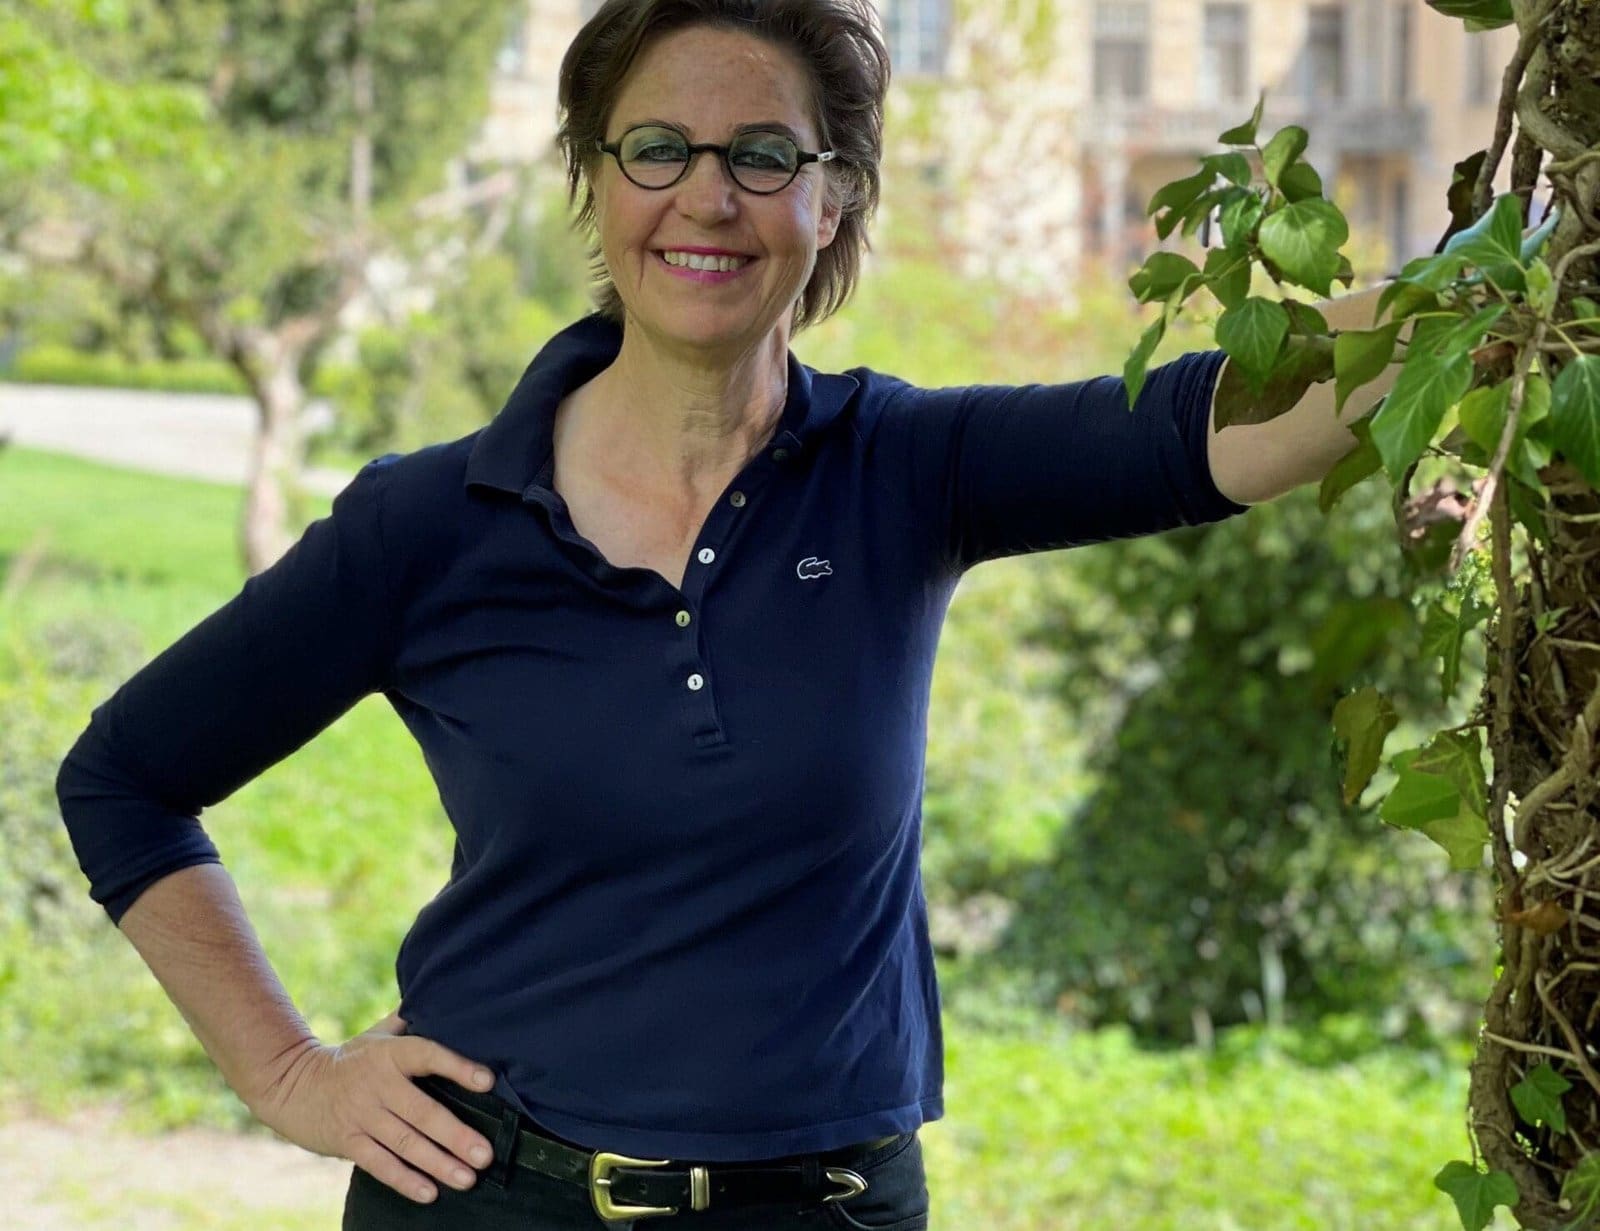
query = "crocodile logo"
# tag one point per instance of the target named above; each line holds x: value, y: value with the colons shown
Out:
x: 812, y: 567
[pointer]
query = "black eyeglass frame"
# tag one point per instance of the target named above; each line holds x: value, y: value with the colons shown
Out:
x: 802, y: 157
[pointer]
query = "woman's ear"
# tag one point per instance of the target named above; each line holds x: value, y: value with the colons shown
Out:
x: 828, y: 221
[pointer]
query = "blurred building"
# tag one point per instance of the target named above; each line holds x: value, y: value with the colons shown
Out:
x: 1054, y: 121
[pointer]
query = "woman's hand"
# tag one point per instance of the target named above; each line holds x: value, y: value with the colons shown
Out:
x: 358, y: 1101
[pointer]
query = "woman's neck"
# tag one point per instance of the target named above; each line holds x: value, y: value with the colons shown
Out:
x: 675, y: 425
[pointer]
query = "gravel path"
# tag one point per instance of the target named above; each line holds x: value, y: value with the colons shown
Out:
x: 91, y: 1172
x: 199, y: 435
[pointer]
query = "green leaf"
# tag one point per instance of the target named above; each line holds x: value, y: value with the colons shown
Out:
x: 1253, y: 333
x: 1475, y: 1192
x: 1234, y: 167
x: 1533, y: 244
x: 1418, y: 798
x: 1300, y: 182
x: 1580, y: 1191
x: 1478, y: 14
x: 1176, y: 198
x: 1418, y: 284
x: 1228, y: 275
x: 1427, y: 386
x: 1462, y: 836
x: 1161, y: 274
x: 1360, y: 463
x: 1537, y: 1097
x: 1133, y: 371
x: 1362, y: 722
x: 1245, y: 134
x: 1584, y: 308
x: 1494, y: 243
x: 1575, y: 415
x: 1457, y: 756
x: 1541, y: 287
x: 1359, y: 357
x: 1306, y: 319
x: 1240, y: 217
x: 1303, y: 241
x: 1286, y: 146
x: 1483, y: 415
x: 1303, y: 363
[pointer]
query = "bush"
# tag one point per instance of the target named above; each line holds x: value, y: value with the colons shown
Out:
x: 61, y: 365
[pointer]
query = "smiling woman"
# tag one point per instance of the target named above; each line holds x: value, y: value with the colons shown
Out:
x: 664, y: 632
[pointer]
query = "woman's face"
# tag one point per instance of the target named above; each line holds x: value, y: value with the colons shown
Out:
x: 710, y: 83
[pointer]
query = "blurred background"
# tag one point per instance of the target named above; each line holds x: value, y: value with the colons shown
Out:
x: 246, y: 245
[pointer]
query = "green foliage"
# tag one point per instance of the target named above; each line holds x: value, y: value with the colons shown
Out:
x: 60, y: 365
x: 1537, y: 1097
x: 1476, y: 1192
x: 1214, y: 833
x: 1478, y: 14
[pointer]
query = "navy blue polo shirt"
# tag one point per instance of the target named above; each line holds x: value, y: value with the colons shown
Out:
x: 684, y: 917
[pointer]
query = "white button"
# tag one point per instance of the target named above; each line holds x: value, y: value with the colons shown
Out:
x: 683, y: 619
x: 696, y: 683
x: 706, y: 555
x: 737, y: 500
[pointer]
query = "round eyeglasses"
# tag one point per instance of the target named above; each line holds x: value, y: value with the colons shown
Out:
x: 762, y: 162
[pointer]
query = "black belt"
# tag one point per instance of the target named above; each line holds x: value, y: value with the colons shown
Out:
x: 620, y: 1191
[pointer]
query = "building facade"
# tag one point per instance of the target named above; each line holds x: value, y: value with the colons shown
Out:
x: 1043, y: 127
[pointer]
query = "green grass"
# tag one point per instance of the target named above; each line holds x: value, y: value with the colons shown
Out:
x: 335, y: 849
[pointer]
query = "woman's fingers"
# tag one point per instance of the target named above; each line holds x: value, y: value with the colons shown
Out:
x: 414, y: 1143
x: 435, y: 1119
x: 382, y: 1165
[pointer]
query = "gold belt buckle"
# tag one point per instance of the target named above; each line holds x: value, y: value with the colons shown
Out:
x: 600, y: 1169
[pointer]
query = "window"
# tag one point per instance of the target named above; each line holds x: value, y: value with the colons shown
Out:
x: 1325, y: 52
x: 1483, y: 78
x: 1121, y: 50
x: 1400, y: 225
x: 1401, y: 62
x: 1225, y: 57
x: 512, y: 56
x: 918, y: 35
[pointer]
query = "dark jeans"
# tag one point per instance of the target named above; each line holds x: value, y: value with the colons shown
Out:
x: 896, y: 1198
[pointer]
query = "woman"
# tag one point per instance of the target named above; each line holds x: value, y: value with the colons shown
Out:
x: 664, y: 631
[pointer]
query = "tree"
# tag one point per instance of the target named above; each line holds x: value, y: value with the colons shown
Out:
x: 325, y: 124
x: 1493, y: 425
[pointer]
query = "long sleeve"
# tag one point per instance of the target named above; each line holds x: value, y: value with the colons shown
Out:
x: 300, y: 643
x: 997, y: 471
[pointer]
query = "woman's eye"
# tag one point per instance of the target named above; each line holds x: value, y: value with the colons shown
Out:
x: 760, y: 161
x: 658, y: 153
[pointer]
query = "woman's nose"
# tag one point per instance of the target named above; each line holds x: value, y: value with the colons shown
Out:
x: 707, y: 188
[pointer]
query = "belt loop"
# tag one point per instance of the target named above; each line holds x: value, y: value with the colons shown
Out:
x: 498, y: 1171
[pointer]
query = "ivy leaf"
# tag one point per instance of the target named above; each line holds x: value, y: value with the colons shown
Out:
x: 1300, y: 182
x: 1161, y: 274
x: 1580, y: 1191
x: 1359, y: 357
x: 1362, y: 722
x: 1176, y: 198
x: 1253, y: 334
x: 1537, y: 1097
x: 1533, y: 244
x: 1463, y: 837
x: 1419, y: 283
x: 1245, y: 134
x: 1228, y: 276
x: 1360, y: 463
x: 1287, y: 144
x: 1418, y: 798
x: 1575, y: 415
x: 1475, y: 1192
x: 1234, y: 167
x: 1427, y: 386
x: 1443, y: 633
x: 1138, y: 363
x: 1457, y: 756
x: 1463, y: 183
x: 1303, y: 241
x: 1303, y: 363
x: 1494, y: 243
x: 1240, y: 217
x: 1483, y: 415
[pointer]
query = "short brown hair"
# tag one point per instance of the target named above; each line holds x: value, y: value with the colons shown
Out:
x: 848, y: 65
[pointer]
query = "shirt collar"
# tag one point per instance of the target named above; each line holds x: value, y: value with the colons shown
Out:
x: 514, y: 451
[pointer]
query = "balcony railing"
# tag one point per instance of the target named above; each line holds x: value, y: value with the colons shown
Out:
x: 1144, y: 127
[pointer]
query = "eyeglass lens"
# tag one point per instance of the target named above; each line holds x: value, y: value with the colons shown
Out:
x: 761, y: 161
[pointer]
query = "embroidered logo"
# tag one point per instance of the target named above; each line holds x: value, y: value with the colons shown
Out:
x: 812, y: 567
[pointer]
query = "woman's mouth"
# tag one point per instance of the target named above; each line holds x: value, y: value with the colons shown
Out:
x: 697, y: 267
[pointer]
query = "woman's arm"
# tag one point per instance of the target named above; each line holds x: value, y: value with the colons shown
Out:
x: 1254, y: 462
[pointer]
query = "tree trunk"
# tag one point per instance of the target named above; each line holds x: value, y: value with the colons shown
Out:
x: 264, y: 532
x: 1543, y: 693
